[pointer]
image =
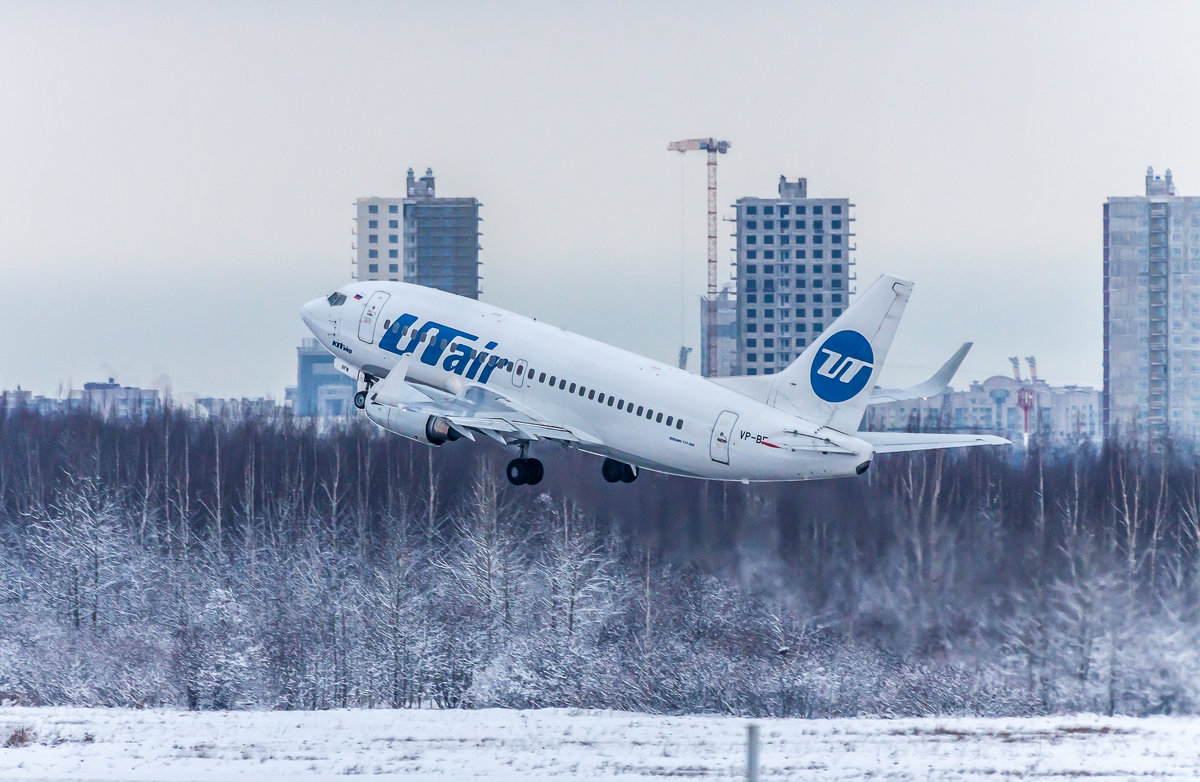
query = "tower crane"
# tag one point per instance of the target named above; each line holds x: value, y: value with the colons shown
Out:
x: 713, y: 147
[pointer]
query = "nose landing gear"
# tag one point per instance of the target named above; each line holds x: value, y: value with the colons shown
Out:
x: 614, y: 471
x: 360, y: 399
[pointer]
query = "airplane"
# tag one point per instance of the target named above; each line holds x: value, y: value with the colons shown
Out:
x: 435, y: 368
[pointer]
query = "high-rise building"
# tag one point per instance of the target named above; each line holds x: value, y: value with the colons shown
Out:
x: 420, y: 238
x: 794, y: 259
x: 1152, y: 314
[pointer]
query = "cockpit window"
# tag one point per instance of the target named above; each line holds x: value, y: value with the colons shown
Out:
x: 336, y: 299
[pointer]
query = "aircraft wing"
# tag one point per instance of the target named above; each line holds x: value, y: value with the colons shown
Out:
x: 895, y: 442
x: 937, y: 383
x: 477, y: 409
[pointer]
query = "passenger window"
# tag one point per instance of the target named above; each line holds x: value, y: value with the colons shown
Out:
x: 658, y: 418
x: 669, y: 420
x: 679, y: 424
x: 530, y: 375
x: 582, y: 390
x: 572, y: 389
x: 599, y: 399
x: 542, y: 378
x: 640, y: 409
x: 387, y: 324
x: 621, y: 405
x: 562, y: 385
x: 649, y: 415
x: 610, y: 401
x: 552, y: 379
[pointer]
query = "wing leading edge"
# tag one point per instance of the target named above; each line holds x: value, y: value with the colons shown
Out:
x: 477, y: 409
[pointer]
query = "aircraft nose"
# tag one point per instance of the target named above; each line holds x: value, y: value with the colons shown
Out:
x: 309, y: 313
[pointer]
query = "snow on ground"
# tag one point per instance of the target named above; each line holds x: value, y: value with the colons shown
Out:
x: 498, y: 744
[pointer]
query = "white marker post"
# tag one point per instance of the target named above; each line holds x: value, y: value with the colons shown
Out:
x: 752, y: 753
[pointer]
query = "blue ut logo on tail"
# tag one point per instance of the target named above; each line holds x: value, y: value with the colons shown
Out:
x: 837, y: 371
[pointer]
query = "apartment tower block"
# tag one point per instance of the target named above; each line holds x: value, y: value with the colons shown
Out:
x: 1152, y: 314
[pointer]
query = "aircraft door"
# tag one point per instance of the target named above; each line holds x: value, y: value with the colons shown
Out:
x: 370, y: 316
x: 518, y: 373
x: 718, y: 447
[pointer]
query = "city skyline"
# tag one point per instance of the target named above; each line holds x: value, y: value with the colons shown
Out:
x: 180, y: 179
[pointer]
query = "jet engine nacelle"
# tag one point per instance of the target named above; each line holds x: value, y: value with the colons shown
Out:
x: 422, y: 427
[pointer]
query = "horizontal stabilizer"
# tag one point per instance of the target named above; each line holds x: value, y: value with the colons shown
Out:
x: 896, y: 442
x: 936, y: 384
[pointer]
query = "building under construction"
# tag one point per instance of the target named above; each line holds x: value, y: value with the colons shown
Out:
x: 420, y: 238
x: 794, y: 271
x: 718, y: 329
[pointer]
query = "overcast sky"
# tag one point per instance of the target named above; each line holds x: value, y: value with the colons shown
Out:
x: 177, y: 179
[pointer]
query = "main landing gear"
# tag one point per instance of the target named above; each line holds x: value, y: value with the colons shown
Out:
x: 525, y: 472
x: 614, y: 471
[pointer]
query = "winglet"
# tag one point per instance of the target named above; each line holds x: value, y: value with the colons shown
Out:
x: 937, y: 383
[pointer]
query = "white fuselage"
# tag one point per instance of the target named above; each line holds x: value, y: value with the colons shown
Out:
x: 652, y: 415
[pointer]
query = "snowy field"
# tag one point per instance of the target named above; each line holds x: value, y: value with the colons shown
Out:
x: 115, y: 744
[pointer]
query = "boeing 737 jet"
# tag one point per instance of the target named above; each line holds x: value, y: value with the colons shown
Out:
x: 435, y: 368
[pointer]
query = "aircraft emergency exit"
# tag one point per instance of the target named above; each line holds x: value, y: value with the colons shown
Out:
x: 435, y: 368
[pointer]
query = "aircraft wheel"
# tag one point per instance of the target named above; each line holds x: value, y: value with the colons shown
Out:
x: 534, y: 471
x: 516, y: 472
x: 612, y: 470
x: 630, y: 474
x: 360, y: 400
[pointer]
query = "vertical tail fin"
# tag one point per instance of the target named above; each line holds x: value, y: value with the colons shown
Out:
x: 830, y: 383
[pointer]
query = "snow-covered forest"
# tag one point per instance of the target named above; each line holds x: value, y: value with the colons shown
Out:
x: 266, y: 564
